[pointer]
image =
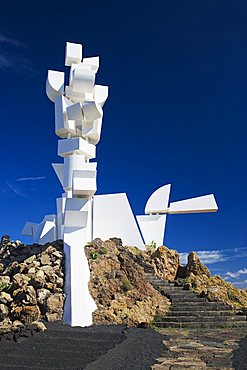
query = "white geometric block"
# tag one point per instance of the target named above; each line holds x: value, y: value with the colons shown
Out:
x: 91, y: 110
x: 73, y: 53
x: 113, y: 217
x: 158, y: 201
x: 152, y: 228
x: 201, y: 204
x: 59, y: 170
x: 76, y: 213
x: 54, y: 84
x: 63, y: 126
x: 77, y: 66
x: 74, y: 112
x: 93, y: 62
x: 84, y: 181
x: 76, y: 145
x: 74, y: 96
x: 72, y: 163
x: 101, y: 94
x: 83, y: 80
x: 92, y: 130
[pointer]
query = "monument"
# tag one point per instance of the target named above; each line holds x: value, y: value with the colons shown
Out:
x: 81, y: 215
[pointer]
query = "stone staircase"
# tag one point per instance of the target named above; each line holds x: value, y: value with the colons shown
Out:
x: 190, y: 311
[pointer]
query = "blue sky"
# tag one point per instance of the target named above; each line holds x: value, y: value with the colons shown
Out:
x: 176, y: 112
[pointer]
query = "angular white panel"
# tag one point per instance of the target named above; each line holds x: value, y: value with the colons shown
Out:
x: 152, y: 228
x: 76, y: 212
x: 28, y: 229
x: 205, y: 203
x: 59, y: 170
x: 77, y: 145
x: 91, y: 110
x: 83, y: 80
x: 92, y: 130
x: 73, y: 53
x: 74, y: 112
x: 158, y: 202
x: 54, y: 84
x: 63, y: 126
x: 93, y: 62
x: 113, y: 217
x: 101, y: 94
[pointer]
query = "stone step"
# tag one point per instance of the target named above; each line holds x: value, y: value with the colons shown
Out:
x: 202, y: 318
x: 187, y: 300
x: 201, y: 324
x: 191, y: 306
x: 201, y: 313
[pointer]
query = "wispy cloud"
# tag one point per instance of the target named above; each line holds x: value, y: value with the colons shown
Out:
x: 208, y: 257
x: 10, y: 41
x: 11, y: 55
x: 12, y: 188
x: 31, y: 178
x: 236, y: 274
x: 221, y: 255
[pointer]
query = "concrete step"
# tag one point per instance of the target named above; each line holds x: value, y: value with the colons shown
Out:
x: 202, y: 318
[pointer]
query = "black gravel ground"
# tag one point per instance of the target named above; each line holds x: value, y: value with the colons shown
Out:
x: 240, y: 356
x: 112, y: 347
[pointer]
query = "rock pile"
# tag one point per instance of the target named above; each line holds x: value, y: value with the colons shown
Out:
x: 31, y: 283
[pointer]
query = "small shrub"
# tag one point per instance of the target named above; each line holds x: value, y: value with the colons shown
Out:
x: 126, y: 285
x: 153, y: 244
x: 94, y: 255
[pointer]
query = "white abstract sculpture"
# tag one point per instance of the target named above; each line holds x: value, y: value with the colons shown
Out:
x: 81, y: 215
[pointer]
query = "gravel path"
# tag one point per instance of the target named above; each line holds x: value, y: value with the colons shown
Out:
x: 204, y: 349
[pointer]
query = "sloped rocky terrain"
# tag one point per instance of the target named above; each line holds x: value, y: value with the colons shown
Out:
x: 120, y: 286
x: 196, y: 276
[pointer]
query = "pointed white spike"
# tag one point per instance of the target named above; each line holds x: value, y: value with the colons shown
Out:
x: 205, y: 203
x: 158, y: 202
x: 58, y: 168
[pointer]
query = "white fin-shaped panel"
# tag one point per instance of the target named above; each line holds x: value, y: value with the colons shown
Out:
x: 152, y: 228
x: 28, y: 229
x: 59, y: 170
x: 54, y: 84
x: 158, y: 202
x: 205, y: 203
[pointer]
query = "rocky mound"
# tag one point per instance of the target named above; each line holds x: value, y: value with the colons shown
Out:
x: 120, y: 287
x: 196, y: 276
x: 31, y: 283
